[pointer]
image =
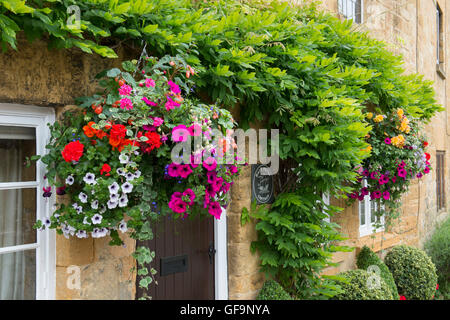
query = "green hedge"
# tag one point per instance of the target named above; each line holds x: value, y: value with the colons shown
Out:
x: 413, y: 271
x: 358, y: 287
x: 367, y: 258
x: 438, y: 248
x: 272, y: 290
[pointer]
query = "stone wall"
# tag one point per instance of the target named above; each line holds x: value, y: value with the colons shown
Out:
x: 36, y: 76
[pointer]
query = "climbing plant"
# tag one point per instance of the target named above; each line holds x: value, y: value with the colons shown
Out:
x: 295, y: 68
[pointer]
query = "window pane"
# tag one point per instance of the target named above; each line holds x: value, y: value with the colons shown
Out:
x: 362, y: 213
x: 373, y: 210
x: 18, y: 275
x: 17, y: 143
x: 17, y: 217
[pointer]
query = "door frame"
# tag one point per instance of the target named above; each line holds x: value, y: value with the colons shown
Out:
x: 37, y: 117
x: 221, y: 257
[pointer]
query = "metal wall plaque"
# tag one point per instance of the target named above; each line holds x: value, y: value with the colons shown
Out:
x: 262, y: 184
x: 171, y: 265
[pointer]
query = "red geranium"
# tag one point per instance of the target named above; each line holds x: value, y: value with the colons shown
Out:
x: 428, y: 156
x: 73, y: 151
x: 118, y: 131
x: 154, y: 140
x: 105, y: 168
x: 425, y: 144
x: 402, y: 298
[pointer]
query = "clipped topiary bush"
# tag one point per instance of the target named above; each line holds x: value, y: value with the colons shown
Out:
x: 360, y: 286
x: 438, y: 248
x: 367, y: 258
x: 413, y: 271
x: 272, y: 290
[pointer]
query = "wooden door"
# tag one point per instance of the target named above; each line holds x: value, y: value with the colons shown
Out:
x: 184, y: 260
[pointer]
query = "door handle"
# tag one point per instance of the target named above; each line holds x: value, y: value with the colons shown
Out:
x: 211, y: 252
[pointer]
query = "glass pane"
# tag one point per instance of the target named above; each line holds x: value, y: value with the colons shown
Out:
x: 17, y: 143
x: 373, y: 210
x: 362, y: 213
x: 18, y: 275
x: 17, y: 216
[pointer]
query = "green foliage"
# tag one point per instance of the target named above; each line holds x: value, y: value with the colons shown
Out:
x: 438, y: 248
x: 413, y: 271
x: 367, y: 258
x: 296, y: 243
x: 272, y: 290
x: 356, y: 287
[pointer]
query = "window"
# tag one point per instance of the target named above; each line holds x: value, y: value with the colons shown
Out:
x: 351, y: 9
x: 440, y: 179
x: 368, y: 218
x: 27, y: 265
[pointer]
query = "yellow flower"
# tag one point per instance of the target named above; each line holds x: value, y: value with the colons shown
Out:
x: 369, y: 115
x: 368, y: 149
x: 404, y: 125
x: 378, y: 118
x: 398, y: 141
x: 400, y: 113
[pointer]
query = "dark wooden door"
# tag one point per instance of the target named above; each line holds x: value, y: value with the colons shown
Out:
x: 184, y: 259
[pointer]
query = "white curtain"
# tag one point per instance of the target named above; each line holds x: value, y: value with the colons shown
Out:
x: 12, y: 265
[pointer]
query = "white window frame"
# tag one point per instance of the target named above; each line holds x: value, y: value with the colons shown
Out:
x: 45, y: 246
x: 368, y: 227
x: 347, y: 8
x: 221, y: 257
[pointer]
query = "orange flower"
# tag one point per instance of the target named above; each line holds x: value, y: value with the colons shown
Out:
x: 88, y: 130
x: 100, y: 134
x: 114, y: 141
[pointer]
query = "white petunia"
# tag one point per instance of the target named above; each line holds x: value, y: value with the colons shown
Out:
x: 83, y: 197
x: 85, y: 220
x: 127, y: 187
x: 123, y: 158
x: 89, y: 178
x: 112, y: 204
x: 114, y: 188
x: 75, y: 205
x: 102, y: 209
x: 94, y: 204
x: 120, y: 171
x: 123, y: 226
x: 137, y: 174
x: 79, y: 209
x: 81, y: 234
x: 114, y: 197
x: 130, y: 176
x: 47, y: 222
x: 123, y: 201
x: 70, y: 180
x: 99, y: 232
x: 96, y: 219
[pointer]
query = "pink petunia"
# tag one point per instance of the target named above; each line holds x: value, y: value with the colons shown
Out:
x: 364, y: 191
x: 184, y: 170
x: 126, y: 103
x: 178, y: 206
x: 387, y: 141
x: 172, y: 170
x: 176, y: 195
x: 189, y: 193
x: 180, y: 133
x: 426, y: 170
x: 149, y: 82
x: 211, y: 176
x: 214, y: 209
x: 376, y: 194
x: 402, y: 173
x: 210, y: 164
x: 386, y: 195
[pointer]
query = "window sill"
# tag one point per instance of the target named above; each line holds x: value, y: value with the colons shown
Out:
x: 440, y: 69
